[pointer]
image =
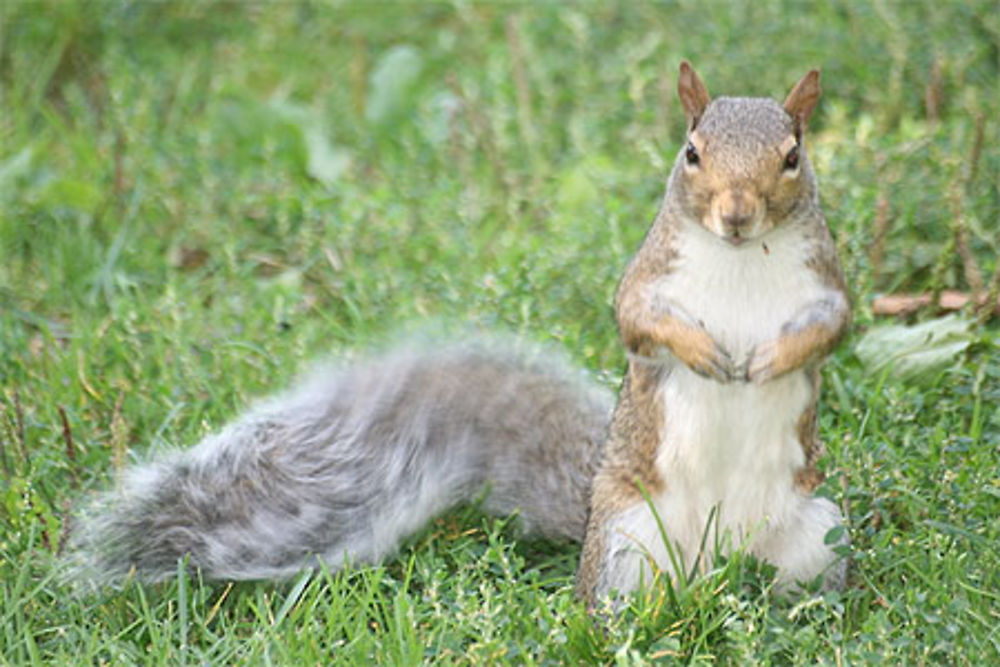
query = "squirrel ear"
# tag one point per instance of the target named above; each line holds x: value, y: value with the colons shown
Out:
x: 694, y: 96
x: 802, y: 100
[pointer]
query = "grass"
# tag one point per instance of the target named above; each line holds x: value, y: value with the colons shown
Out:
x: 198, y: 198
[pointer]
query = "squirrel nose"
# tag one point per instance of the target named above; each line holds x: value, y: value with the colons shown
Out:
x: 736, y: 220
x: 736, y: 210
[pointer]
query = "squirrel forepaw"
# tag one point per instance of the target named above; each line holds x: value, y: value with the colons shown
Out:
x: 761, y: 365
x: 715, y: 363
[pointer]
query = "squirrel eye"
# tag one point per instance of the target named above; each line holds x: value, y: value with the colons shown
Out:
x: 691, y: 155
x: 792, y: 159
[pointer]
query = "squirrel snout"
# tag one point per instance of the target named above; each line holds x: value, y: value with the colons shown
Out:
x: 736, y: 221
x: 735, y: 214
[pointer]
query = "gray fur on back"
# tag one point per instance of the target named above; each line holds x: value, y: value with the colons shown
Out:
x: 353, y: 460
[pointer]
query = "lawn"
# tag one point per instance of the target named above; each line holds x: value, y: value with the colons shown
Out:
x: 197, y: 199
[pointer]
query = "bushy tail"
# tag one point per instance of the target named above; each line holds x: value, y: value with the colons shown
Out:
x: 355, y: 459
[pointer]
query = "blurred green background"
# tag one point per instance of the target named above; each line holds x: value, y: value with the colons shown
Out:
x: 140, y: 139
x: 197, y: 197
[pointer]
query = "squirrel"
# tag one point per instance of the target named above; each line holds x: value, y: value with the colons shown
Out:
x: 732, y: 301
x: 726, y: 313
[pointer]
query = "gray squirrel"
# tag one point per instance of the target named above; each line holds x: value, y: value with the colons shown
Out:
x: 726, y: 313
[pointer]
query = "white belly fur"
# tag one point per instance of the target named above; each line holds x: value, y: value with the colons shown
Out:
x: 732, y: 446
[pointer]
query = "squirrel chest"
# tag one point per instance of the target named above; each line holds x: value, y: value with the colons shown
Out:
x: 742, y: 294
x: 733, y: 446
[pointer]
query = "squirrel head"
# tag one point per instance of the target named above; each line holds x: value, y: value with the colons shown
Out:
x: 743, y: 170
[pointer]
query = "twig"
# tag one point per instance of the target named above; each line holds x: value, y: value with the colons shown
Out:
x: 977, y: 149
x: 118, y: 434
x: 19, y: 416
x: 932, y: 92
x: 8, y: 472
x: 973, y: 277
x: 70, y: 446
x: 118, y: 180
x: 984, y: 311
x: 883, y: 222
x: 947, y: 300
x: 993, y: 296
x: 522, y: 88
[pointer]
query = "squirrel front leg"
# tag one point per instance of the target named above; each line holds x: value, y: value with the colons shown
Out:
x: 804, y: 339
x: 647, y: 321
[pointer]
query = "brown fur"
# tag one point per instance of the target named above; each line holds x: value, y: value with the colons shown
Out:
x: 694, y: 96
x: 629, y: 461
x: 808, y: 477
x: 802, y: 100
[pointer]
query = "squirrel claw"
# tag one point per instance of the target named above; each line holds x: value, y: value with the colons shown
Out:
x: 718, y: 365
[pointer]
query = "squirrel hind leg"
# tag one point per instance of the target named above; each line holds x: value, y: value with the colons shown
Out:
x: 623, y: 553
x: 799, y: 549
